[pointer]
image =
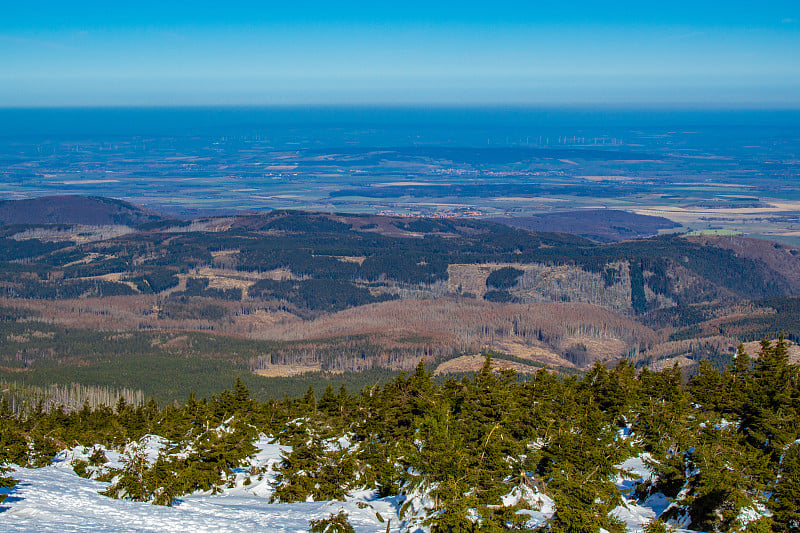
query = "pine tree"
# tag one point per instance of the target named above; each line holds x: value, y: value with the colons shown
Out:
x: 337, y: 523
x: 725, y: 477
x: 310, y: 472
x: 708, y: 388
x: 770, y: 418
x: 329, y: 402
x: 786, y: 499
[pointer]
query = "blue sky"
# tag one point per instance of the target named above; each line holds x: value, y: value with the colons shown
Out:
x: 308, y: 52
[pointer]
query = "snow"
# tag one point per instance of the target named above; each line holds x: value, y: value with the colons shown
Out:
x: 532, y: 497
x: 752, y: 513
x: 265, y: 460
x: 338, y: 444
x: 542, y: 507
x: 633, y: 513
x: 54, y: 498
x: 636, y: 471
x: 65, y: 458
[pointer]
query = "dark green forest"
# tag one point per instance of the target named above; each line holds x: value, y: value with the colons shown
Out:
x: 716, y: 444
x: 46, y: 354
x: 310, y: 245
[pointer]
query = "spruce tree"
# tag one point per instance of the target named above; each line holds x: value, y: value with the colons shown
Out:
x: 770, y: 419
x: 578, y: 461
x: 740, y: 377
x: 666, y: 427
x: 337, y: 523
x: 131, y: 483
x: 11, y: 446
x: 242, y: 403
x: 725, y: 477
x: 785, y: 502
x: 310, y: 472
x: 328, y: 403
x: 708, y: 388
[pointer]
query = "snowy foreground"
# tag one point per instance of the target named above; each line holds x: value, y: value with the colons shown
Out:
x: 54, y: 498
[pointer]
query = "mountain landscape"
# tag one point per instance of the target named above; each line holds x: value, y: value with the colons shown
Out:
x: 570, y: 371
x: 400, y: 267
x: 74, y: 210
x: 286, y: 293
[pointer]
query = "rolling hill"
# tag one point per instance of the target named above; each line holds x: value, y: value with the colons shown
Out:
x: 84, y: 210
x: 291, y: 293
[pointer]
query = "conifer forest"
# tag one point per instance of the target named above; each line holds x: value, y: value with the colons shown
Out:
x: 482, y: 453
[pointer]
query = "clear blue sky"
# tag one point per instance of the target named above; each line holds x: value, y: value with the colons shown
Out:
x: 675, y: 52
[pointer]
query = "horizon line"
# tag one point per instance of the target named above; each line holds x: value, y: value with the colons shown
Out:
x: 638, y: 106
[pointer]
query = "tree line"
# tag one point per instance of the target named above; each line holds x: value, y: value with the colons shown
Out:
x: 718, y: 444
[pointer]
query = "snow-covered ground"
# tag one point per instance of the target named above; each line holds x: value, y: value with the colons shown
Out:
x: 54, y: 498
x: 636, y: 515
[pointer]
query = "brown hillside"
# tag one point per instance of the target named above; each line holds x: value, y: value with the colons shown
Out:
x: 571, y: 335
x: 568, y: 334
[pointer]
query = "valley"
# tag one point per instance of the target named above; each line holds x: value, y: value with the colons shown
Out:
x: 287, y: 298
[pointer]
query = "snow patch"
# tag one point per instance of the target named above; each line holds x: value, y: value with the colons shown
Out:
x: 54, y: 498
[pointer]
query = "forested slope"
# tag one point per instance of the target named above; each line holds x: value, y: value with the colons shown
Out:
x: 286, y: 293
x: 484, y: 453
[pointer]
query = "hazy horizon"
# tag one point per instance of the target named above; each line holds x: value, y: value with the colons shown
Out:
x: 508, y: 53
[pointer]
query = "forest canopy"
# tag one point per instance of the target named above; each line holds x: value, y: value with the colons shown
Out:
x: 717, y: 445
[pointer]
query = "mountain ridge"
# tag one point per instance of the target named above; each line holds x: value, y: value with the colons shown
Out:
x: 75, y: 209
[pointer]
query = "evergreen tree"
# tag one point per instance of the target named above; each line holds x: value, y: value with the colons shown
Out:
x: 578, y: 460
x: 786, y: 498
x: 657, y: 526
x: 132, y: 483
x: 329, y: 402
x: 311, y: 472
x: 11, y: 446
x: 309, y: 401
x: 337, y: 523
x: 740, y: 377
x: 725, y: 477
x: 666, y: 427
x: 770, y: 418
x: 708, y: 388
x: 469, y: 442
x: 242, y: 403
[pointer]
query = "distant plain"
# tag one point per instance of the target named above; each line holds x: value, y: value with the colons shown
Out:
x: 734, y: 171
